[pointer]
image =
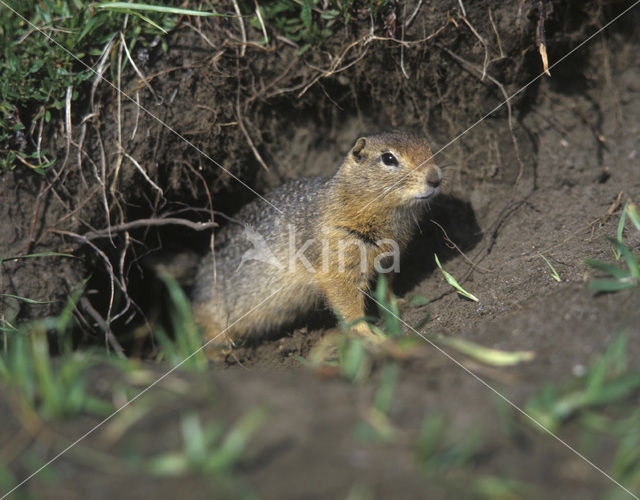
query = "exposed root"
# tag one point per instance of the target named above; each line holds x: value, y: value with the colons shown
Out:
x: 485, y: 63
x: 158, y: 221
x: 144, y: 174
x: 113, y: 280
x: 243, y: 46
x: 472, y: 68
x: 144, y: 80
x: 255, y: 151
x: 455, y: 247
x: 495, y: 30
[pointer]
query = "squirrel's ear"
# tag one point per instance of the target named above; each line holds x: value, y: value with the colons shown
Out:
x: 358, y: 149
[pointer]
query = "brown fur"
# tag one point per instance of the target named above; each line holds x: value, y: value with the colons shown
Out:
x: 366, y: 201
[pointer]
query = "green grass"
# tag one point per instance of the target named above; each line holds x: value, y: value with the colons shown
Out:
x: 619, y: 278
x: 54, y: 387
x: 454, y: 283
x: 209, y: 451
x: 605, y: 383
x: 36, y: 75
x: 377, y: 426
x: 602, y: 402
x: 448, y: 458
x: 554, y: 273
x: 38, y: 78
x: 438, y: 448
x: 308, y: 23
x: 187, y: 341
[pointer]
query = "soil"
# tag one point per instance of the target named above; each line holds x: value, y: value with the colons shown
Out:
x: 552, y: 183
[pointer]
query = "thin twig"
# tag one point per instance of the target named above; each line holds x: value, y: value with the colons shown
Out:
x: 485, y: 63
x: 413, y: 15
x: 404, y: 71
x: 449, y: 242
x: 335, y: 67
x: 242, y: 30
x: 156, y: 221
x: 464, y: 12
x: 202, y: 35
x: 112, y: 277
x: 40, y: 130
x: 137, y: 70
x: 67, y: 125
x: 495, y: 30
x: 260, y: 20
x: 474, y: 69
x: 256, y: 153
x: 135, y: 124
x: 212, y: 214
x: 144, y: 174
x: 34, y: 218
x: 111, y: 338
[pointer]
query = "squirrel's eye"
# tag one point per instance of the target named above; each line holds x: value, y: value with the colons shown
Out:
x: 389, y: 160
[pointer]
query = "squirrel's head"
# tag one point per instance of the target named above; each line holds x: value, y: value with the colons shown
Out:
x: 393, y: 168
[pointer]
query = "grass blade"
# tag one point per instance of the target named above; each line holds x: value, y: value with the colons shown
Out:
x: 35, y: 255
x: 632, y: 212
x: 605, y: 267
x: 554, y: 273
x: 125, y: 6
x: 610, y: 285
x: 629, y: 258
x: 25, y: 299
x: 452, y: 281
x: 494, y: 357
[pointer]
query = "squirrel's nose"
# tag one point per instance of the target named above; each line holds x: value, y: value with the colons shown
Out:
x: 434, y: 178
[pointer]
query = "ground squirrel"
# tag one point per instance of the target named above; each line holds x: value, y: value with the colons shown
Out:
x: 332, y: 236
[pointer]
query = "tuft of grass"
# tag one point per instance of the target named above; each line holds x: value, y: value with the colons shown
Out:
x: 55, y: 388
x: 438, y: 449
x: 454, y: 283
x: 208, y: 450
x: 602, y: 402
x: 388, y: 308
x: 606, y: 382
x: 37, y: 77
x: 626, y: 462
x: 632, y: 212
x: 449, y: 458
x: 354, y: 361
x: 619, y: 277
x: 502, y: 488
x: 308, y: 23
x: 187, y: 344
x: 377, y: 426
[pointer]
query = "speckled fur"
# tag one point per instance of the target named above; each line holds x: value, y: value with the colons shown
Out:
x: 346, y: 207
